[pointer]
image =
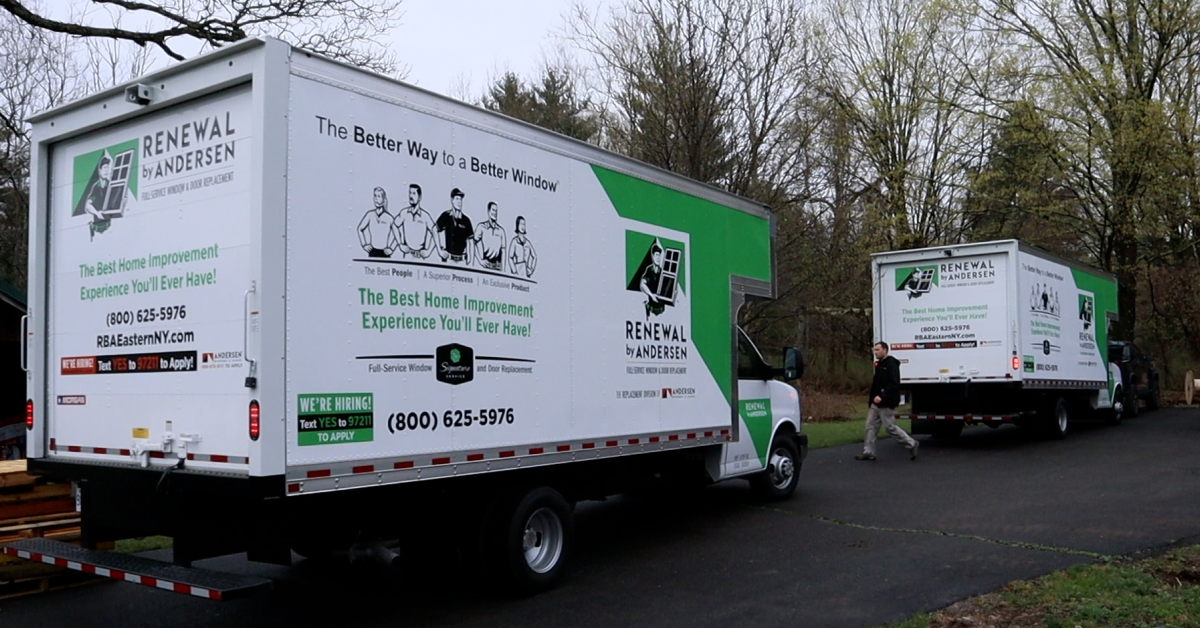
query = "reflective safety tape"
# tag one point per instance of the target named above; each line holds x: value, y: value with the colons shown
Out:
x: 116, y: 574
x: 958, y: 417
x: 158, y: 455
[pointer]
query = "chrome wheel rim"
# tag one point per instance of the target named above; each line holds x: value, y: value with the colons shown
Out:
x: 1062, y: 419
x: 543, y: 540
x: 783, y: 468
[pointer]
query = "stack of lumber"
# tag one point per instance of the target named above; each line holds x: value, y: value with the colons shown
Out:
x: 30, y: 507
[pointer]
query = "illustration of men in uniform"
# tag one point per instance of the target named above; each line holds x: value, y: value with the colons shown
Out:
x: 456, y: 231
x: 489, y: 237
x: 521, y: 256
x: 651, y: 277
x: 95, y: 197
x: 375, y: 228
x: 413, y: 229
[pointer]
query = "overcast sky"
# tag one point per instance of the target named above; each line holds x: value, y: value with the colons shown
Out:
x: 447, y: 43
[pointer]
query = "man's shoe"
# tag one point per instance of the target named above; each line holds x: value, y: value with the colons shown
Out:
x: 864, y: 457
x: 913, y: 451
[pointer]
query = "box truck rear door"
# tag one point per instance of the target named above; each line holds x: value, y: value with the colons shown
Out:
x: 150, y: 256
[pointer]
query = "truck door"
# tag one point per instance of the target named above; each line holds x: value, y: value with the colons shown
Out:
x: 748, y: 453
x: 150, y: 257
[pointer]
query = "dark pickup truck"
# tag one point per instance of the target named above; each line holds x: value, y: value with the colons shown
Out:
x: 1139, y: 377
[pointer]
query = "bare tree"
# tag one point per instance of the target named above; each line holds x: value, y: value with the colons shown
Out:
x: 37, y: 71
x: 905, y: 76
x: 344, y: 29
x: 1103, y: 67
x: 659, y: 63
x: 707, y: 89
x: 52, y: 53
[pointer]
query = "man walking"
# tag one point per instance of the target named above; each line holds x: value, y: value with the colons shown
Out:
x: 883, y: 399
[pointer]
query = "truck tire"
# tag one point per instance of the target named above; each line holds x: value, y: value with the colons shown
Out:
x: 778, y: 481
x: 1058, y: 419
x: 1113, y: 415
x: 530, y: 540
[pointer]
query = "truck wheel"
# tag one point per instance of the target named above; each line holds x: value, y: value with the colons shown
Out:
x: 1058, y: 419
x: 778, y: 481
x: 533, y: 540
x: 1152, y: 400
x: 1113, y: 415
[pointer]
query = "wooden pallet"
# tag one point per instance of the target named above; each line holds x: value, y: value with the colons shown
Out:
x: 13, y: 473
x: 28, y: 578
x: 31, y: 508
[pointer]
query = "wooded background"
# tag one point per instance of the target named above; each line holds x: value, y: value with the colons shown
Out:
x: 866, y: 125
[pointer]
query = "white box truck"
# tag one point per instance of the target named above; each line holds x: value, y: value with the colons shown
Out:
x: 995, y: 333
x: 279, y: 303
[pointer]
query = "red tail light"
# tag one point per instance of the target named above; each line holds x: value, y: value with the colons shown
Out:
x: 1016, y: 363
x: 254, y: 424
x: 28, y: 414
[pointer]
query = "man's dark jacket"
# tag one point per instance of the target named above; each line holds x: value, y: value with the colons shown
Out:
x: 886, y: 383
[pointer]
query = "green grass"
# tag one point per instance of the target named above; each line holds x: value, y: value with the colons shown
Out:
x: 144, y: 544
x: 1163, y: 591
x: 843, y: 432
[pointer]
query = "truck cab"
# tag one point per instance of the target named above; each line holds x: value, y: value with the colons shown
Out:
x: 771, y: 445
x: 1139, y: 377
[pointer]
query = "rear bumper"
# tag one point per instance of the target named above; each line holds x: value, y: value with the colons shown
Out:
x: 206, y: 514
x: 144, y: 483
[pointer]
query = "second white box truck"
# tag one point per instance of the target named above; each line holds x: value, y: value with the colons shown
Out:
x: 278, y: 303
x: 997, y: 332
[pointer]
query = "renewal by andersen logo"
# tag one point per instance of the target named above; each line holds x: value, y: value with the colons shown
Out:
x: 1087, y: 311
x: 455, y: 364
x: 916, y: 280
x: 654, y: 267
x: 104, y: 183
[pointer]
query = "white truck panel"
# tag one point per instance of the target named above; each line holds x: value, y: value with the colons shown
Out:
x: 947, y: 317
x: 959, y: 313
x: 150, y: 250
x: 522, y: 331
x: 260, y: 248
x: 1058, y: 323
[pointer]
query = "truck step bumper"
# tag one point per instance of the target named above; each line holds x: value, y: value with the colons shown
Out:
x: 1007, y: 418
x: 202, y: 583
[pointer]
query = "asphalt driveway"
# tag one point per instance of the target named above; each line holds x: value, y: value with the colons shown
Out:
x: 861, y: 543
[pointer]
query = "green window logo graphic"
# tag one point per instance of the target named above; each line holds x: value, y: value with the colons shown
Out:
x: 1087, y: 311
x: 654, y: 267
x: 916, y: 280
x: 104, y: 182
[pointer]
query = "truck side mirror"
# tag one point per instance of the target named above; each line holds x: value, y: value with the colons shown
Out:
x: 793, y: 364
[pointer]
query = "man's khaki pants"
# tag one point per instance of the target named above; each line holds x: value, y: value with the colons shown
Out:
x: 886, y: 417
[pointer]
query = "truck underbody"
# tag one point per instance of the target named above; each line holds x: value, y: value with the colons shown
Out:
x: 209, y: 515
x: 943, y: 409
